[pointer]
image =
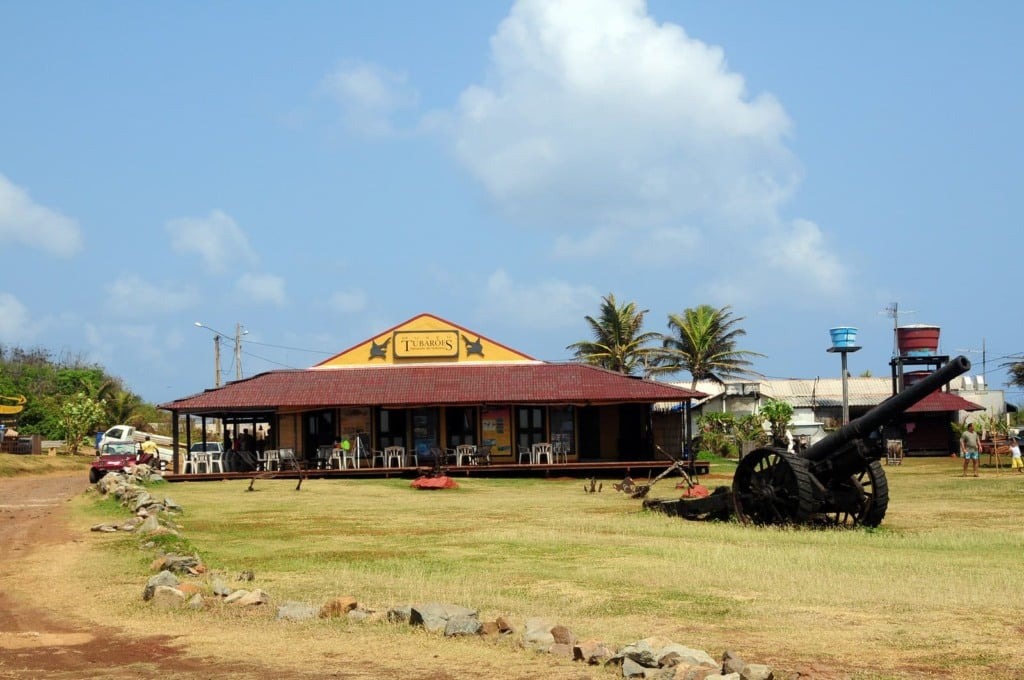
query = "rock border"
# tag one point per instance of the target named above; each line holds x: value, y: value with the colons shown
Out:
x: 652, y: 658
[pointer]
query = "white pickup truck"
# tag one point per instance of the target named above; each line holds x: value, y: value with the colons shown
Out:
x: 126, y: 433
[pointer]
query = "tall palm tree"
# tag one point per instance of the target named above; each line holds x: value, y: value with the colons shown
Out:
x: 619, y: 342
x: 124, y: 407
x: 1016, y: 371
x: 702, y: 342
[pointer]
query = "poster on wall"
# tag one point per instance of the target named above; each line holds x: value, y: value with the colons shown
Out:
x: 496, y: 431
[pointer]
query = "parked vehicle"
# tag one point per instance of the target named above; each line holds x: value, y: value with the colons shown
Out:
x: 121, y: 434
x: 118, y: 433
x: 118, y: 456
x: 208, y: 447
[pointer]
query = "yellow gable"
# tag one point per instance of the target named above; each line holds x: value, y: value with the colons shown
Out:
x: 424, y: 339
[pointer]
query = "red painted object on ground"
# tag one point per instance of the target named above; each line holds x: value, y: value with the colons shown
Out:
x: 695, y: 491
x: 441, y: 482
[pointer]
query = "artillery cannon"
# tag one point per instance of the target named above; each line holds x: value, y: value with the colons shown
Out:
x: 836, y: 481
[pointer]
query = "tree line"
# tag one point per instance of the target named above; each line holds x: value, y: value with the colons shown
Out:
x: 52, y: 384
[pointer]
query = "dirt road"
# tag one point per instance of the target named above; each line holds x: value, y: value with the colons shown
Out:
x: 37, y: 643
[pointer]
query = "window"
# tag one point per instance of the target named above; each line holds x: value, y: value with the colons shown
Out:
x: 391, y: 427
x: 530, y: 425
x: 424, y: 429
x: 563, y: 428
x: 460, y: 426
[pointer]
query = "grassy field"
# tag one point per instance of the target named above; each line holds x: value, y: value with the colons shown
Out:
x: 935, y: 592
x: 12, y: 465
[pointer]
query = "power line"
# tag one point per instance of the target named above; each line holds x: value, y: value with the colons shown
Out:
x: 294, y: 349
x: 269, y: 361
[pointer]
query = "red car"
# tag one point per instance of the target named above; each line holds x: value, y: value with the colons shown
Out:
x: 115, y: 457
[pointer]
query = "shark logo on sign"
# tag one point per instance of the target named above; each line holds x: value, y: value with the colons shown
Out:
x: 474, y: 346
x: 379, y: 351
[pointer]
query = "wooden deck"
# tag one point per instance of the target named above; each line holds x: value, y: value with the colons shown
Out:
x: 638, y: 470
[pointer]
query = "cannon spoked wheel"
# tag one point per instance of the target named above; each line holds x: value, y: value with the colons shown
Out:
x: 860, y: 499
x: 773, y: 487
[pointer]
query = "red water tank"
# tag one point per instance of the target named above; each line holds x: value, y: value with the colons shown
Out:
x: 911, y: 377
x: 917, y: 340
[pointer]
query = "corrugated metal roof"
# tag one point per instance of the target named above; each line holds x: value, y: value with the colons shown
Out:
x: 819, y: 392
x: 709, y: 388
x: 424, y: 384
x: 828, y: 392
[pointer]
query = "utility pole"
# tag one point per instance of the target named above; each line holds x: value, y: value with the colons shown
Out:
x: 238, y: 351
x: 216, y: 360
x: 217, y: 335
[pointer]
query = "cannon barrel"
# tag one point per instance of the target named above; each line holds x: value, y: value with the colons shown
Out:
x: 886, y: 411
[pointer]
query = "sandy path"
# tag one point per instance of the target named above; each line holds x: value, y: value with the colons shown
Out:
x: 36, y: 642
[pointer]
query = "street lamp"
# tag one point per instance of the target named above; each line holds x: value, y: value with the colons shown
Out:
x: 217, y: 335
x: 216, y: 354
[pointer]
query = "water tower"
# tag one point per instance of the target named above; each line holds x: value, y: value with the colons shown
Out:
x: 917, y: 349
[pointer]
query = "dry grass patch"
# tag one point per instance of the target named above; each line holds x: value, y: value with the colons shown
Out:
x: 18, y: 465
x: 932, y: 593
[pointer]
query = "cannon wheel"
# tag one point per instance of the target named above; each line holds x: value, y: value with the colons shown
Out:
x: 867, y: 494
x: 773, y: 487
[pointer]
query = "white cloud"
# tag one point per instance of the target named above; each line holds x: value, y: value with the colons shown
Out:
x: 597, y: 114
x: 636, y: 140
x: 131, y: 296
x: 112, y: 343
x: 15, y: 325
x: 262, y: 288
x: 217, y: 239
x: 657, y: 246
x: 369, y: 96
x: 24, y: 221
x: 541, y: 305
x: 348, y: 301
x: 800, y: 252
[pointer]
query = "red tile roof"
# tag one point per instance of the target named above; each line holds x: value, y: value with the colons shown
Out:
x: 943, y: 401
x: 423, y: 385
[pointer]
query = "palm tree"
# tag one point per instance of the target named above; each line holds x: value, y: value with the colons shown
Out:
x: 1016, y: 370
x: 124, y: 407
x: 702, y: 341
x: 619, y: 343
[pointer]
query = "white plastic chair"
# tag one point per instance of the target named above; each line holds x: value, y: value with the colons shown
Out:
x: 271, y: 459
x: 542, y: 450
x: 525, y: 451
x: 350, y: 455
x: 560, y: 449
x: 201, y: 459
x: 215, y: 459
x: 286, y: 457
x: 394, y: 454
x: 333, y: 457
x: 464, y: 452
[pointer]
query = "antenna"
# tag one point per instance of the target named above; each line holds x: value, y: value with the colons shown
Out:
x: 981, y: 351
x: 893, y: 312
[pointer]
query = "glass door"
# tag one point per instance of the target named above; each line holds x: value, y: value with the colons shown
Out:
x: 424, y: 430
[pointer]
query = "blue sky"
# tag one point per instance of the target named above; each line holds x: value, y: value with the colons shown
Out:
x: 320, y: 171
